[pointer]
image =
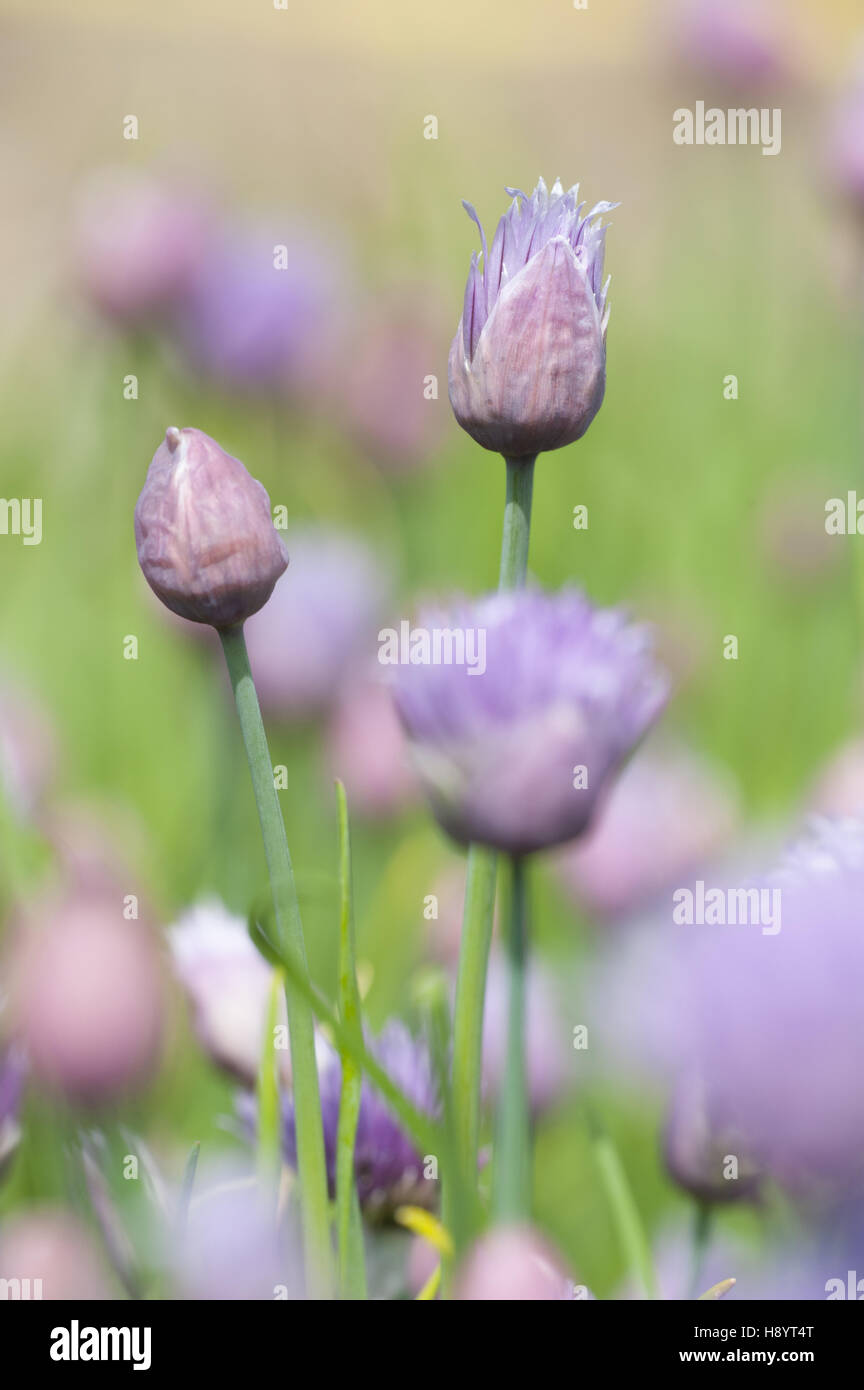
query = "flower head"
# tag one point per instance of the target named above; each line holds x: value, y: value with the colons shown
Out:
x: 528, y: 364
x: 206, y: 543
x: 516, y: 756
x: 388, y: 1169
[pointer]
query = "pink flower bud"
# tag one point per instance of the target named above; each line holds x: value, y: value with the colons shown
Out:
x: 52, y: 1256
x: 514, y: 1264
x: 206, y: 542
x: 86, y: 1000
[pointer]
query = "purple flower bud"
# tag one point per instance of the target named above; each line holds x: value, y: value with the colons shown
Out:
x: 705, y: 1156
x: 515, y: 1264
x: 388, y: 1169
x: 528, y: 364
x: 514, y: 751
x: 206, y: 542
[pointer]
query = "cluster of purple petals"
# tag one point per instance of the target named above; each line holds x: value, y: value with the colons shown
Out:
x: 542, y: 651
x: 529, y: 224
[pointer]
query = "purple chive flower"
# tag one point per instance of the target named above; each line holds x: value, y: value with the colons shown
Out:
x: 322, y: 618
x: 389, y: 1171
x: 515, y: 749
x: 260, y: 319
x: 528, y: 364
x: 769, y: 1021
x: 206, y: 543
x: 669, y: 812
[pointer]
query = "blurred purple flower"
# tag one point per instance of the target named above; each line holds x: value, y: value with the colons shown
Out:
x: 140, y: 242
x: 528, y: 364
x: 232, y: 1247
x: 770, y: 1022
x: 548, y: 1044
x: 263, y: 314
x: 669, y: 812
x: 388, y: 1169
x: 228, y: 985
x: 321, y: 620
x: 516, y: 755
x: 86, y: 998
x: 738, y: 41
x: 704, y: 1155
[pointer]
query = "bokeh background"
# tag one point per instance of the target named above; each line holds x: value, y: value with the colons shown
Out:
x: 706, y: 515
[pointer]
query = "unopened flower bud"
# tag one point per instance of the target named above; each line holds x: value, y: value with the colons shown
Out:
x: 206, y: 541
x: 527, y: 367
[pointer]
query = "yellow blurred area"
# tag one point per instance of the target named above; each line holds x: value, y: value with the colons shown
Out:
x: 476, y: 32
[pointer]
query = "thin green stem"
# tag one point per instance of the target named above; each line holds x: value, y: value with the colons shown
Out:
x: 480, y: 889
x: 625, y: 1212
x: 703, y: 1220
x: 352, y: 1271
x: 512, y: 1184
x: 517, y: 523
x: 311, y: 1165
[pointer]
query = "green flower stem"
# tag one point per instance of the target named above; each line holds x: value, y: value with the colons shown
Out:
x: 511, y: 1196
x: 703, y: 1220
x: 352, y: 1270
x: 480, y: 885
x: 517, y: 523
x: 311, y: 1164
x: 625, y: 1212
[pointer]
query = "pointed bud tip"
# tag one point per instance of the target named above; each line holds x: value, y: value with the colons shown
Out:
x: 172, y: 437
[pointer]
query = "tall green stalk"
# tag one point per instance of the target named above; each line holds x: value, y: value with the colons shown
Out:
x: 311, y: 1165
x: 512, y: 1188
x: 480, y: 880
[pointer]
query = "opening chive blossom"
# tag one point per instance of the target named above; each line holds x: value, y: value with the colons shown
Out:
x: 527, y: 367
